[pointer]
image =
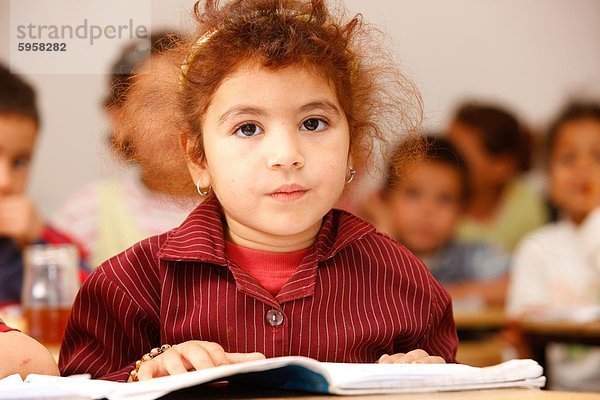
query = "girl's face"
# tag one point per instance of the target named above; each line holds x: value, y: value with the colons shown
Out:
x: 575, y: 168
x: 425, y: 206
x: 276, y: 145
x: 486, y: 170
x: 17, y: 141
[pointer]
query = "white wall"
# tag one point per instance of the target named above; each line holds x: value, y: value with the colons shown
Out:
x: 531, y: 55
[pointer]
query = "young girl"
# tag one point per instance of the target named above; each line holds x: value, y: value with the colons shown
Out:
x: 281, y: 103
x: 557, y: 268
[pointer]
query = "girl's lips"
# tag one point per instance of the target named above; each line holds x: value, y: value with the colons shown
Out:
x: 287, y: 193
x: 288, y: 196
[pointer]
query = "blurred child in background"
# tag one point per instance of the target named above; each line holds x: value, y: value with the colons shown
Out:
x: 421, y: 208
x: 20, y: 222
x: 110, y: 215
x: 557, y: 268
x: 501, y: 208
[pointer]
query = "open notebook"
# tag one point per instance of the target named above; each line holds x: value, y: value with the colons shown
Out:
x: 296, y: 373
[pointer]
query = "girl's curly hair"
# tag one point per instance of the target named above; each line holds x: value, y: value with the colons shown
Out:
x: 379, y: 102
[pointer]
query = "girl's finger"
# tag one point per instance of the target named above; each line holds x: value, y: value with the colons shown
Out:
x: 201, y: 355
x: 415, y: 355
x: 216, y: 353
x: 235, y: 358
x: 397, y: 358
x: 409, y: 357
x: 150, y: 369
x: 172, y: 361
x: 430, y: 360
x: 383, y: 358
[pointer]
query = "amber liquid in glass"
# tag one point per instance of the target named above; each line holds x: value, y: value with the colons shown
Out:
x: 47, y: 324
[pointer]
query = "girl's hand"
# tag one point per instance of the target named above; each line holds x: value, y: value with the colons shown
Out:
x: 191, y: 355
x: 412, y: 357
x: 20, y: 220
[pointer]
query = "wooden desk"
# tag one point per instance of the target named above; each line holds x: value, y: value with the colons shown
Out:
x: 496, y: 394
x: 538, y: 334
x: 486, y: 319
x: 563, y: 331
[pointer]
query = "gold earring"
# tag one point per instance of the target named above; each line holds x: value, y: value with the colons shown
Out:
x: 202, y: 191
x: 352, y: 173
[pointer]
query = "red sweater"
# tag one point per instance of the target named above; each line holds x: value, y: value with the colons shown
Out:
x: 356, y: 295
x: 271, y: 270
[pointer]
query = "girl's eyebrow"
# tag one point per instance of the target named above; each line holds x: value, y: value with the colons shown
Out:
x: 324, y: 105
x: 240, y: 110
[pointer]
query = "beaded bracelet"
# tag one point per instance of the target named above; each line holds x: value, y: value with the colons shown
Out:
x: 146, y: 357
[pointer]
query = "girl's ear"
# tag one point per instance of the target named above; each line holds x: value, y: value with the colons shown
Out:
x: 197, y: 167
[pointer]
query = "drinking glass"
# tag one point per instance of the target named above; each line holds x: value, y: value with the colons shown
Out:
x: 50, y: 283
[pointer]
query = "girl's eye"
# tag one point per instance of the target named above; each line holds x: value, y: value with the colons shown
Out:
x: 313, y: 125
x: 412, y: 193
x: 248, y: 130
x: 21, y: 163
x: 446, y: 199
x: 566, y: 158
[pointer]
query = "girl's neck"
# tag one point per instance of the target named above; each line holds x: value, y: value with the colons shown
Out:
x: 248, y: 237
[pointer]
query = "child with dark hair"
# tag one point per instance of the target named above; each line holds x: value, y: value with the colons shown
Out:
x: 281, y: 103
x: 556, y: 269
x: 421, y: 206
x: 501, y: 208
x: 20, y: 222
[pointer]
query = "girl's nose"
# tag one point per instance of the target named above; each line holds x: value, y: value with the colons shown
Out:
x: 285, y: 150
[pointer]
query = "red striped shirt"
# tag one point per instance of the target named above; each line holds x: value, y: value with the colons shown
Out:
x: 270, y: 270
x: 356, y: 295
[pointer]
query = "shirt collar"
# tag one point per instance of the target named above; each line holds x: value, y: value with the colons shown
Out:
x: 201, y: 236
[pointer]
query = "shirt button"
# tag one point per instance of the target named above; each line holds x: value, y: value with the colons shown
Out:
x: 274, y: 318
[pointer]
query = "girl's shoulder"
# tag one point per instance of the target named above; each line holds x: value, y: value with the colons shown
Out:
x: 136, y: 265
x: 391, y: 267
x: 393, y: 254
x: 378, y: 246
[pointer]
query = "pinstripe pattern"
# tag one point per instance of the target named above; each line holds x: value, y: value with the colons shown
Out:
x: 356, y: 295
